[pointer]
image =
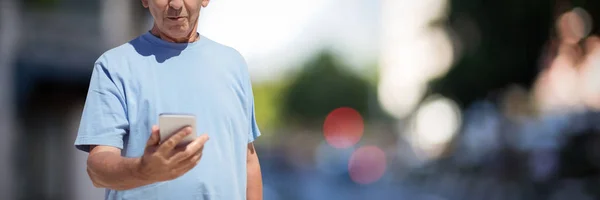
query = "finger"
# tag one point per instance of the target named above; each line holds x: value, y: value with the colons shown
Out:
x: 181, y: 147
x: 154, y: 137
x: 176, y: 150
x: 179, y: 153
x: 172, y: 142
x: 192, y: 149
x: 190, y: 164
x: 202, y: 139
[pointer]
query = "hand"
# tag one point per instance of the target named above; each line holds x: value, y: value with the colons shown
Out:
x: 169, y: 160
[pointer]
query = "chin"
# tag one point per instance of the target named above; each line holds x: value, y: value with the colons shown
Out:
x: 179, y: 33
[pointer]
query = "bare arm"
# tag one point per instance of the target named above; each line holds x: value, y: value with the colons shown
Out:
x: 160, y: 162
x: 254, y: 189
x: 108, y: 169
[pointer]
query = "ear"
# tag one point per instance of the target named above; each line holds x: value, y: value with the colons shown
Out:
x: 205, y: 3
x: 145, y: 3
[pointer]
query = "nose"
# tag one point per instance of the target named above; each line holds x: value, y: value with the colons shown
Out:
x: 176, y: 4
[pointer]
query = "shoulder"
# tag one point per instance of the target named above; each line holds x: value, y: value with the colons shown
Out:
x: 224, y: 51
x: 117, y: 59
x: 120, y: 52
x: 233, y: 59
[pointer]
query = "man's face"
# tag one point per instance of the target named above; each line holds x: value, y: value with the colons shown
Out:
x: 175, y: 18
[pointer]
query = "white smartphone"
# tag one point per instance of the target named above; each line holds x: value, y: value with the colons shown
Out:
x: 171, y: 123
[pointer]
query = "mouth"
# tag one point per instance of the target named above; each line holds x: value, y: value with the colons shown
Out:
x: 176, y: 18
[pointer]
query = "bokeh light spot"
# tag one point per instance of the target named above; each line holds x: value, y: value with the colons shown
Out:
x: 367, y: 165
x: 435, y: 124
x: 343, y: 127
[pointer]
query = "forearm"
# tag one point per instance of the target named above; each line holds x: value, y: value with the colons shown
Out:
x: 112, y: 171
x: 254, y: 189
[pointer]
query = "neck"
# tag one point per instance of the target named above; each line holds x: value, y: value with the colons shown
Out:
x: 191, y: 37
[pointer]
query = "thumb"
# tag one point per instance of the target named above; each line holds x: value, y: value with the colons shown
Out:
x: 154, y: 137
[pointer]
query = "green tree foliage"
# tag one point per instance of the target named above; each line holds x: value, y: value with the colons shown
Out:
x: 267, y: 104
x: 321, y: 87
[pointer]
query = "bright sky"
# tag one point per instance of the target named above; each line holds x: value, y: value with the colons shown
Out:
x: 276, y: 35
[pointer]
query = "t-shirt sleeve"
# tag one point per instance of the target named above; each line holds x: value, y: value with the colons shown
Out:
x: 254, y: 131
x: 103, y: 121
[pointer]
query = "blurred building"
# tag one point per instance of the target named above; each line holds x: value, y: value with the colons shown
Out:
x: 49, y: 48
x: 7, y: 35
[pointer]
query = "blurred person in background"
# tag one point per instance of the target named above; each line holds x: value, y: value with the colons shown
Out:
x: 171, y: 68
x: 556, y: 90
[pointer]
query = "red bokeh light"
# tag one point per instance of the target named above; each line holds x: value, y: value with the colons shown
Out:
x: 343, y: 127
x: 367, y: 165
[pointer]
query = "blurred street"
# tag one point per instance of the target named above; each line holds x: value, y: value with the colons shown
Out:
x: 356, y: 100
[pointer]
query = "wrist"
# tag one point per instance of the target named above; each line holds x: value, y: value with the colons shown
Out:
x: 136, y: 172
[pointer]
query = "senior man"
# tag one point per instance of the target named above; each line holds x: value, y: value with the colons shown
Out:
x: 171, y: 69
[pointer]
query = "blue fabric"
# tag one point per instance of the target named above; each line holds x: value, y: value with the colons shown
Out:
x: 135, y: 82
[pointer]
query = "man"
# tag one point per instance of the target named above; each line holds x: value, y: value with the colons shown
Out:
x: 557, y: 87
x: 171, y: 69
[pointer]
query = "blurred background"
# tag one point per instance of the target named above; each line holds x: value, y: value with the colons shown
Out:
x: 378, y: 99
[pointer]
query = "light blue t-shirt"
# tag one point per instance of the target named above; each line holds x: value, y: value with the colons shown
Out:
x: 135, y: 82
